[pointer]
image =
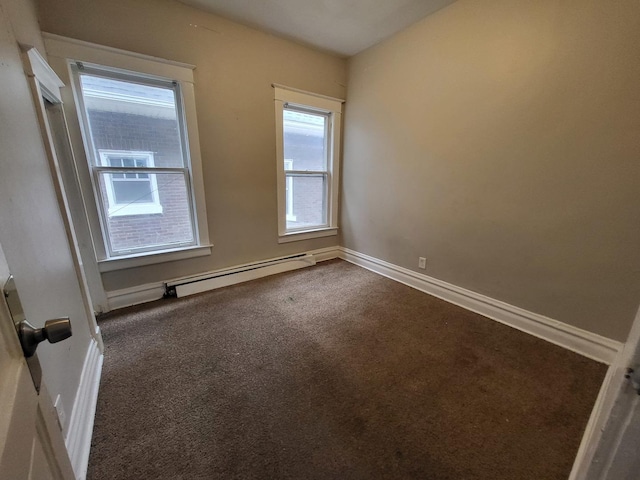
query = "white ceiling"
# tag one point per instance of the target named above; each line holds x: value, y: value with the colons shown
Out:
x: 345, y: 27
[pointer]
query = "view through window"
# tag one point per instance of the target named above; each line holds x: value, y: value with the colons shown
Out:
x: 138, y: 160
x: 305, y: 153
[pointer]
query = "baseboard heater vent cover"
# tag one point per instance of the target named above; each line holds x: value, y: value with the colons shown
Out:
x: 222, y: 278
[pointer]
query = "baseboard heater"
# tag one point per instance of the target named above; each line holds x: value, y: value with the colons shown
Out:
x: 182, y: 287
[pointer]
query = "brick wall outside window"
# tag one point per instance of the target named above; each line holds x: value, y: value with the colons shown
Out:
x: 307, y: 152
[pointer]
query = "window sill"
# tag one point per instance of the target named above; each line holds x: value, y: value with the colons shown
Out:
x: 307, y: 234
x: 141, y: 259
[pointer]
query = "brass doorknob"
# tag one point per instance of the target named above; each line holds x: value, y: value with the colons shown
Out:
x: 54, y: 331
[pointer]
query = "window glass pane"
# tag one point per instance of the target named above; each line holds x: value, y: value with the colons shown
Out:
x: 305, y: 141
x: 306, y: 201
x: 146, y: 214
x: 129, y: 116
x: 126, y: 192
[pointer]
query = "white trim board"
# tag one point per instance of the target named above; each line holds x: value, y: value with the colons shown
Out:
x: 127, y: 297
x: 149, y: 292
x: 580, y: 341
x: 250, y: 271
x: 589, y: 344
x: 226, y: 278
x: 78, y: 437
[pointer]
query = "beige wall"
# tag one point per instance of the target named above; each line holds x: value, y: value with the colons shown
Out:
x: 500, y: 139
x: 236, y: 66
x: 32, y: 234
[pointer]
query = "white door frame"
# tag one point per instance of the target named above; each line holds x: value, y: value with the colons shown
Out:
x: 607, y: 426
x: 45, y: 84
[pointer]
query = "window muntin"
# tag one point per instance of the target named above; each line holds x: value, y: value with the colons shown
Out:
x: 138, y: 159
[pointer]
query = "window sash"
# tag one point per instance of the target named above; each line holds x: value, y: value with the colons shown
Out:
x: 326, y: 176
x: 104, y: 215
x: 80, y: 68
x: 327, y: 133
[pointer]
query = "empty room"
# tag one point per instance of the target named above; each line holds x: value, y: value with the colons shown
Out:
x: 295, y: 239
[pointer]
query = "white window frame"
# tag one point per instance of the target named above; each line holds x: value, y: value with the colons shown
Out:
x: 65, y: 52
x: 332, y: 108
x: 288, y: 165
x: 97, y: 169
x: 117, y: 209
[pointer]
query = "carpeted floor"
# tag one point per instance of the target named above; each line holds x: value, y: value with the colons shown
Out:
x: 333, y: 372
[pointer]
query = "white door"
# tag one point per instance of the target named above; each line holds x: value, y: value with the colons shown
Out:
x: 617, y: 454
x: 31, y: 443
x: 34, y: 243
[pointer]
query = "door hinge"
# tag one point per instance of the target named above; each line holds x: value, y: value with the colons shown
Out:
x: 634, y: 378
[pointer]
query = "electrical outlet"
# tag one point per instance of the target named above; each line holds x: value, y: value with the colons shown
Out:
x: 422, y: 262
x: 62, y: 416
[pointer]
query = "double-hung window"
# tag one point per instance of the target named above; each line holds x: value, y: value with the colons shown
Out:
x: 140, y: 179
x: 134, y: 133
x: 308, y: 146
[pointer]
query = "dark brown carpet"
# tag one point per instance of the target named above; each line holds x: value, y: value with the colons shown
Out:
x: 333, y: 372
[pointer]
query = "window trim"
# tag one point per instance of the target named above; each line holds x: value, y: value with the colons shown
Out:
x: 62, y: 52
x: 79, y: 68
x: 332, y: 107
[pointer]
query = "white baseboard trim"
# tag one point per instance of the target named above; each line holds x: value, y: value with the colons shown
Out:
x: 149, y: 292
x: 127, y: 297
x: 78, y: 437
x: 585, y: 343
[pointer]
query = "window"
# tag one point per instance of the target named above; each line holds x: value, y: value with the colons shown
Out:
x: 130, y: 192
x: 136, y: 152
x: 134, y: 132
x: 308, y: 145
